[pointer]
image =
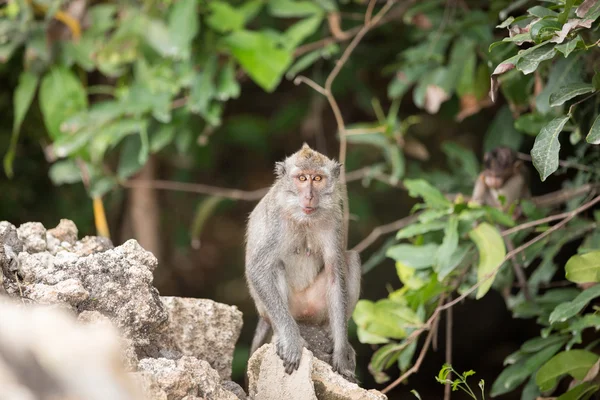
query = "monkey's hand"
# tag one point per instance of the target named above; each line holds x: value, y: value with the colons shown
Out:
x: 344, y: 362
x: 289, y: 349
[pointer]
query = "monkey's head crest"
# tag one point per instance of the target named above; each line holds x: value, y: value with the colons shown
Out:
x: 307, y: 159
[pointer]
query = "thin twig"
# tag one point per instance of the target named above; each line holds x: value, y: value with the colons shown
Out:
x: 562, y: 163
x: 235, y: 194
x: 360, y: 131
x: 449, y: 321
x: 303, y: 79
x: 383, y: 229
x: 518, y: 268
x: 307, y: 48
x: 564, y: 195
x: 535, y: 223
x: 511, y: 254
x: 369, y: 12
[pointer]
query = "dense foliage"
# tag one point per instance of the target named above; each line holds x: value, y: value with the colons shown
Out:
x: 119, y: 81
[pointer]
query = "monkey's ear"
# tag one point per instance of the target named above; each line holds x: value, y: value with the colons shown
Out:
x: 335, y: 170
x: 279, y: 169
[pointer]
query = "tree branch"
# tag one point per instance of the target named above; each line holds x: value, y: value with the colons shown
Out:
x: 449, y: 322
x: 234, y: 194
x: 383, y: 229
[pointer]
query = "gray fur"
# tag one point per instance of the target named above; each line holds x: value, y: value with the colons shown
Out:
x: 297, y: 266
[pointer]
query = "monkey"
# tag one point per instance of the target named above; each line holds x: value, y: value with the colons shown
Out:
x: 297, y: 267
x: 503, y: 175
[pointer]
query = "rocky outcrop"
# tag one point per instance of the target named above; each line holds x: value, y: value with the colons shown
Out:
x: 85, y: 321
x: 314, y: 379
x: 203, y: 329
x: 107, y: 289
x: 186, y: 376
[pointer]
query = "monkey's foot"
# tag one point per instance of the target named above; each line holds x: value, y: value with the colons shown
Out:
x: 290, y: 351
x: 344, y: 363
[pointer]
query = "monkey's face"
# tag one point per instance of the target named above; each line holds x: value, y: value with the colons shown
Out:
x: 308, y: 179
x: 499, y: 165
x: 309, y: 185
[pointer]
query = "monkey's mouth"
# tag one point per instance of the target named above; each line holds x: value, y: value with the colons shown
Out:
x: 309, y: 210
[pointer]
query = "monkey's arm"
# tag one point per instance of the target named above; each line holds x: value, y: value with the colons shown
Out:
x: 513, y: 189
x: 479, y: 191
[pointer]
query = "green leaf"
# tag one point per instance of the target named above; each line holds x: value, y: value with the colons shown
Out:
x: 567, y: 310
x: 406, y: 356
x: 64, y: 171
x: 260, y: 56
x: 224, y: 17
x: 544, y: 29
x: 407, y: 276
x: 390, y: 150
x: 532, y: 123
x: 514, y: 375
x: 582, y: 391
x: 296, y: 33
x: 541, y: 12
x: 463, y: 49
x: 584, y: 268
x: 128, y: 159
x: 227, y: 86
x: 491, y: 249
x: 547, y: 146
x: 157, y: 35
x: 22, y: 99
x: 382, y: 320
x: 566, y: 93
x: 449, y: 244
x: 203, y: 88
x: 573, y: 362
x: 293, y: 9
x: 564, y: 15
x: 310, y: 58
x: 184, y: 25
x: 502, y: 132
x: 405, y: 79
x: 567, y: 47
x: 420, y: 228
x: 61, y: 96
x: 414, y: 256
x: 562, y: 73
x: 456, y: 259
x: 530, y: 61
x: 421, y: 188
x: 161, y: 135
x: 593, y: 136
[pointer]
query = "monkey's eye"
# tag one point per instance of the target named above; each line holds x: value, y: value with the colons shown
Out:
x: 317, y: 178
x: 302, y: 178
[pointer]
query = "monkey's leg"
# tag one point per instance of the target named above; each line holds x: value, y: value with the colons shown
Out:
x: 261, y: 334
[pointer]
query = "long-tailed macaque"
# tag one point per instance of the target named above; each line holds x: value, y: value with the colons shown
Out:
x: 503, y: 176
x: 297, y: 266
